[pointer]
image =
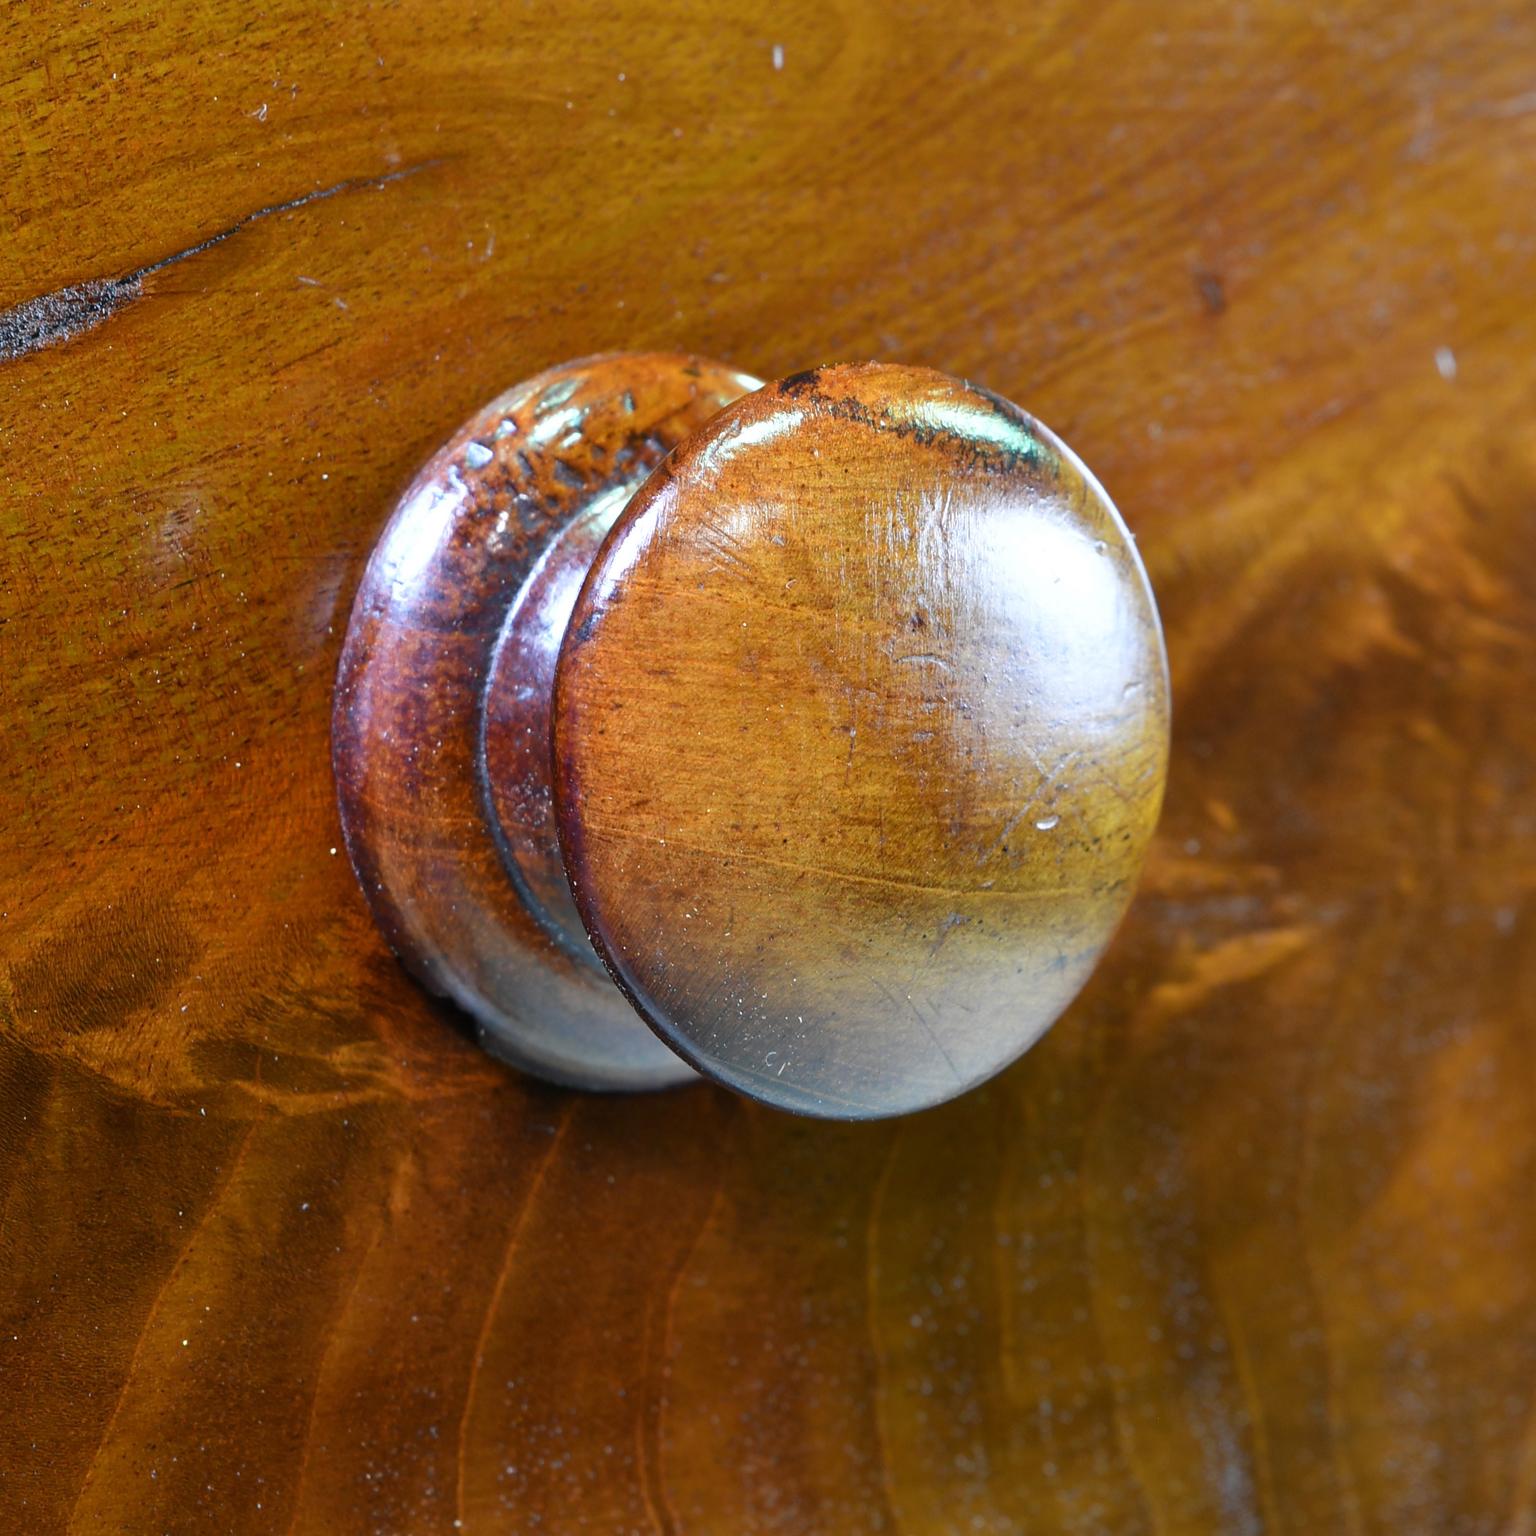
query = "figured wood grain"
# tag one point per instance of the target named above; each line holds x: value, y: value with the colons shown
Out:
x: 1245, y: 1244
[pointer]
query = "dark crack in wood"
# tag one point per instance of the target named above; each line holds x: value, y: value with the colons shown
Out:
x: 54, y: 318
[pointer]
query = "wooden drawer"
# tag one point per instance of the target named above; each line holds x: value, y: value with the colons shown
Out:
x: 1245, y: 1244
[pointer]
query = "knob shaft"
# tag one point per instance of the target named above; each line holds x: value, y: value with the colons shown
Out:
x: 465, y: 884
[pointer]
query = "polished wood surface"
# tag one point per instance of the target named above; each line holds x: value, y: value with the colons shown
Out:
x: 1244, y: 1244
x: 861, y: 729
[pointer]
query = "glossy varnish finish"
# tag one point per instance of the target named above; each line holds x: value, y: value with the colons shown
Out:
x: 1245, y: 1243
x: 860, y: 735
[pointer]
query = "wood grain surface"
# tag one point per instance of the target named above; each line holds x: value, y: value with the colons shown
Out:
x: 860, y: 736
x: 1245, y: 1245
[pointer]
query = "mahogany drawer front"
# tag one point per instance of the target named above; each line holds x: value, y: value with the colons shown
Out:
x: 1245, y: 1243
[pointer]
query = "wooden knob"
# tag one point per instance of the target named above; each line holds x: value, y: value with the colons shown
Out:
x: 858, y: 733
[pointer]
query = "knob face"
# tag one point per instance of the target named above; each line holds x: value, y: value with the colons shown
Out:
x: 860, y: 734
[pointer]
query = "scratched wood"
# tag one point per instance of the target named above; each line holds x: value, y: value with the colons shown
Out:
x: 1245, y: 1244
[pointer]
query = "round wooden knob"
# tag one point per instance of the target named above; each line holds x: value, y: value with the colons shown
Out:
x: 858, y: 733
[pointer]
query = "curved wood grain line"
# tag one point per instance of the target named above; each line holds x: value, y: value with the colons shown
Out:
x: 22, y: 1155
x: 872, y: 1313
x: 1315, y: 1068
x: 1005, y: 1259
x: 648, y: 1427
x: 333, y: 1339
x: 1258, y: 1436
x: 1521, y: 1520
x: 1125, y: 1435
x: 214, y: 1200
x: 494, y: 1304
